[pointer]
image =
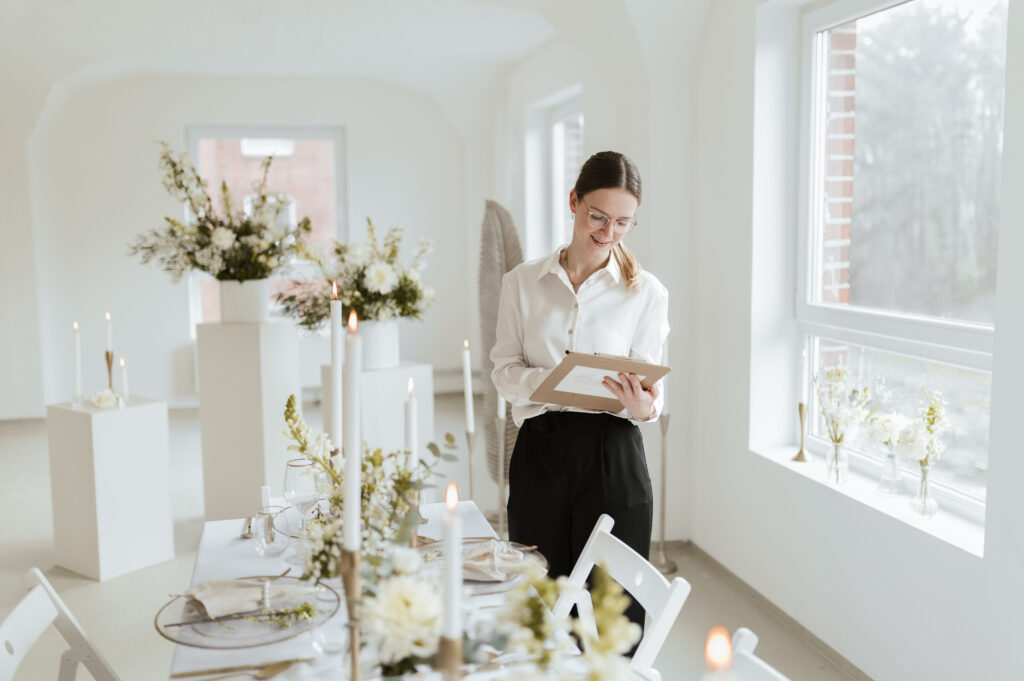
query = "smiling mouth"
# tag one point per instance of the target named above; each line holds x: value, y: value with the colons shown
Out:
x: 598, y: 241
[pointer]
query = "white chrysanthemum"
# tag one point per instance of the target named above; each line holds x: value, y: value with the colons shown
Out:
x: 356, y: 256
x: 380, y: 277
x: 223, y: 238
x: 405, y: 561
x: 210, y: 260
x: 887, y: 428
x: 608, y: 667
x: 403, y: 618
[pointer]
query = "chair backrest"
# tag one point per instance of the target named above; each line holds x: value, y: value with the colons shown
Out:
x: 26, y: 623
x: 22, y: 628
x: 660, y: 599
x: 746, y: 666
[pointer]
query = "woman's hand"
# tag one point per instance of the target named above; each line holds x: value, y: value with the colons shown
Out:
x: 632, y: 395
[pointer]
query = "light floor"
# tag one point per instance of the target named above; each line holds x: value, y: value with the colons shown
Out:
x: 118, y: 614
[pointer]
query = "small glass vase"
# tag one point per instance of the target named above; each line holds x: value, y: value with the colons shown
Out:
x: 924, y: 503
x: 889, y: 483
x: 838, y: 464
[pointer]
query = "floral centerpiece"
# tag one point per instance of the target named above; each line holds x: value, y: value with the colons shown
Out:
x: 844, y: 407
x: 922, y: 442
x: 371, y: 281
x: 220, y: 237
x: 889, y: 429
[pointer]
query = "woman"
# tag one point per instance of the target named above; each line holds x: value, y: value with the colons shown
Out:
x: 570, y: 465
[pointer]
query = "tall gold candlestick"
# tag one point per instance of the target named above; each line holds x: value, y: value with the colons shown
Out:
x: 352, y: 580
x: 109, y: 354
x: 414, y: 539
x: 449, y: 658
x: 802, y: 454
x: 470, y: 445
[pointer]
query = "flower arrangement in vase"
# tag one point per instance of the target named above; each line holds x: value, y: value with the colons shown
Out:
x: 889, y: 429
x: 922, y: 442
x: 844, y: 407
x: 221, y: 238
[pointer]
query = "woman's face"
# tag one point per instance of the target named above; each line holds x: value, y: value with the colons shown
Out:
x: 603, y: 217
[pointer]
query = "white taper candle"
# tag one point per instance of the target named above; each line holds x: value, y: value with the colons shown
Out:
x: 451, y: 623
x: 467, y: 387
x: 110, y: 334
x: 337, y: 338
x: 124, y: 380
x: 77, y: 396
x: 353, y: 445
x: 411, y: 428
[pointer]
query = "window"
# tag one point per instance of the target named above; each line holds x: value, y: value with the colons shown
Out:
x: 306, y: 169
x: 554, y: 155
x: 903, y: 108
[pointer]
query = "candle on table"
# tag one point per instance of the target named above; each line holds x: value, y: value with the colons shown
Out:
x: 467, y: 386
x: 411, y: 428
x: 351, y: 430
x: 124, y: 381
x: 718, y: 655
x: 451, y: 623
x: 77, y: 396
x: 110, y: 334
x: 337, y: 338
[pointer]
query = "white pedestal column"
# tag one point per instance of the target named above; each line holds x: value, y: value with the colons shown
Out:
x: 383, y: 404
x: 246, y: 373
x: 110, y: 485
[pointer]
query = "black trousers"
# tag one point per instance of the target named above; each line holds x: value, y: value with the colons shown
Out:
x: 567, y: 469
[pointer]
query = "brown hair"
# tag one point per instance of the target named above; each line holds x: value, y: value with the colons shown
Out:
x: 612, y: 170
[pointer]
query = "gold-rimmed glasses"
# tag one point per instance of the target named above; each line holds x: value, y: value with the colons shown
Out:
x: 597, y: 219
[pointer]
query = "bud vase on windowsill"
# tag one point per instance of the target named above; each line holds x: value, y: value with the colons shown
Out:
x: 889, y: 483
x: 924, y: 503
x: 838, y: 464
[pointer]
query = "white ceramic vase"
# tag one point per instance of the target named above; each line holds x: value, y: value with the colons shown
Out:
x: 380, y: 344
x: 244, y: 301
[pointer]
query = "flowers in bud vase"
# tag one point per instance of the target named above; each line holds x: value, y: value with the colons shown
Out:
x: 844, y: 408
x: 888, y: 429
x: 922, y: 442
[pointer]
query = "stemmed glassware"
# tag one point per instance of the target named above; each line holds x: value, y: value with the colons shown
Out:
x: 301, y: 491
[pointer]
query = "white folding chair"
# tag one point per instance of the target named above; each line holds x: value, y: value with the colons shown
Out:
x: 30, y: 618
x: 745, y: 665
x: 660, y: 599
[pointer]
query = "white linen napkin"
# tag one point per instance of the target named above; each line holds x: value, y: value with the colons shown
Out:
x: 220, y: 597
x: 490, y: 561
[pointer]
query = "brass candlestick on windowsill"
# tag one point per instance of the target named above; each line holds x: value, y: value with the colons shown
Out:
x: 802, y: 454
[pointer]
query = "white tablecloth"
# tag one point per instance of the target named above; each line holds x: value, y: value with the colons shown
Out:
x: 224, y: 555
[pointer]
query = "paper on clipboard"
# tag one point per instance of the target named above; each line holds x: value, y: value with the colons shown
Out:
x: 576, y: 381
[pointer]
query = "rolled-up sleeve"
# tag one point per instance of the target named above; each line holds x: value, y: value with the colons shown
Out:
x: 513, y: 378
x: 651, y: 334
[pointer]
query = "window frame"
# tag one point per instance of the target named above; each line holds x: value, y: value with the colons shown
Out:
x: 954, y: 342
x: 195, y: 132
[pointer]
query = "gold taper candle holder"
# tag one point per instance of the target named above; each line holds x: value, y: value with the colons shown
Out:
x: 470, y: 443
x: 352, y: 580
x: 802, y: 454
x: 109, y: 354
x: 449, y: 658
x: 414, y: 539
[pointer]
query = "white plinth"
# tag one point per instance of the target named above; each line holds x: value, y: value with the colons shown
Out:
x: 246, y: 373
x: 111, y: 489
x: 383, y: 404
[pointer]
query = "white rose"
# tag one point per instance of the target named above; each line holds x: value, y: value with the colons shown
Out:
x: 380, y: 277
x: 406, y: 561
x: 105, y: 399
x: 223, y: 238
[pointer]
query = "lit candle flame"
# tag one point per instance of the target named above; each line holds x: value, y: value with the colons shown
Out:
x: 108, y: 317
x: 122, y: 362
x: 410, y: 386
x: 334, y: 290
x: 353, y: 321
x: 718, y: 650
x: 451, y: 496
x: 465, y: 344
x: 76, y: 326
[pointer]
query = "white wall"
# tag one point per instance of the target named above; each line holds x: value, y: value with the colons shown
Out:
x: 898, y: 603
x: 95, y: 185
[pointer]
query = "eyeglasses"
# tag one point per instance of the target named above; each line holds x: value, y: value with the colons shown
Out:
x: 598, y: 220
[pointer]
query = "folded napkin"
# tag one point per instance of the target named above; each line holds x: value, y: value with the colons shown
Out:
x: 220, y: 597
x: 490, y: 561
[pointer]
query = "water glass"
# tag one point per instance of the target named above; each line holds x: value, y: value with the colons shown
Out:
x: 268, y: 541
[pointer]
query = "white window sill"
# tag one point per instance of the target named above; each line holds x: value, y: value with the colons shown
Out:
x: 964, y: 533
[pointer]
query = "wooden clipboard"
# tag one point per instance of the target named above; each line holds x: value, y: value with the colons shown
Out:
x: 609, y: 365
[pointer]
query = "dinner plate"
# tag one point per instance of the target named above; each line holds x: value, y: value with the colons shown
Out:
x: 433, y: 554
x: 242, y: 632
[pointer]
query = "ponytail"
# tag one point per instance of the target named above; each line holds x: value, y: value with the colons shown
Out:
x: 628, y: 265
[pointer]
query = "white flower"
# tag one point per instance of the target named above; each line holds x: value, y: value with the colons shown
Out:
x: 210, y: 260
x: 356, y: 256
x: 608, y: 667
x: 273, y: 262
x: 887, y: 428
x: 223, y: 238
x: 380, y: 277
x: 403, y: 618
x: 405, y: 561
x: 914, y: 442
x: 104, y: 399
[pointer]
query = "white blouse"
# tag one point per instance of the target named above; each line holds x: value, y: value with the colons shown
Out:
x: 541, y: 318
